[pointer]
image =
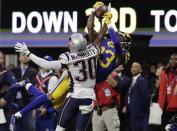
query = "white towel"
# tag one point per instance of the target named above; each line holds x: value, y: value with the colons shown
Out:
x: 155, y: 114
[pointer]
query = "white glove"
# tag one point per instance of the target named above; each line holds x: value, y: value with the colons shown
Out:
x: 22, y: 48
x: 18, y: 115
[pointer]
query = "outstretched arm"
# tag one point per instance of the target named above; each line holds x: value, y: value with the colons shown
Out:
x: 55, y: 65
x: 101, y: 35
x: 90, y: 27
x: 115, y: 39
x: 93, y: 35
x: 22, y: 48
x: 90, y: 22
x: 107, y: 21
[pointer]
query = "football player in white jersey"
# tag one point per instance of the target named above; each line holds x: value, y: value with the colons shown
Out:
x: 81, y: 65
x: 81, y: 68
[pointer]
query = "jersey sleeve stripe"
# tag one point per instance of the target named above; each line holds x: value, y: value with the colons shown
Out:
x: 67, y: 56
x: 96, y: 47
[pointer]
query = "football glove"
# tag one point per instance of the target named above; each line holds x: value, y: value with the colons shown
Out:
x: 98, y: 4
x: 22, y: 48
x: 108, y: 17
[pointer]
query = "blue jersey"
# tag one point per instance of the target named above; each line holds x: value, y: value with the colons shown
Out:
x: 107, y: 62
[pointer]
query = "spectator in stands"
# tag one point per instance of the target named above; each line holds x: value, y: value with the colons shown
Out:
x: 105, y: 114
x: 151, y: 78
x: 138, y: 100
x: 167, y: 98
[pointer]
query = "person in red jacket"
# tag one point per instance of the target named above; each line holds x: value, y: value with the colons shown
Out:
x: 167, y: 98
x: 105, y: 114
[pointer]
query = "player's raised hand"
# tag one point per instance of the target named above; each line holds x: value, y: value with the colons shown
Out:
x: 108, y: 17
x: 98, y: 4
x: 22, y: 48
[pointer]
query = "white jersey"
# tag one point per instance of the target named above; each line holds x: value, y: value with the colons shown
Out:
x: 82, y: 71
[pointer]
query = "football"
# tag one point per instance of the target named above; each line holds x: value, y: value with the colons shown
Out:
x: 99, y: 12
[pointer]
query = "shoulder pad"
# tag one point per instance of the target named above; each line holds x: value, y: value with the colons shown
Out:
x: 63, y: 58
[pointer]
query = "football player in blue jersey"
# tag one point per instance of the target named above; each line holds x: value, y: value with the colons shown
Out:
x: 114, y: 45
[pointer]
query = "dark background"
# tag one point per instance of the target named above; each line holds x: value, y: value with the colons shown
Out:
x: 140, y: 49
x: 142, y: 8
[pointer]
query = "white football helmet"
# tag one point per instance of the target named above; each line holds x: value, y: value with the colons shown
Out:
x: 77, y: 43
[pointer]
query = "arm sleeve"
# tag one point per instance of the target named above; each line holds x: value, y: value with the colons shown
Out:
x: 54, y: 65
x: 115, y: 39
